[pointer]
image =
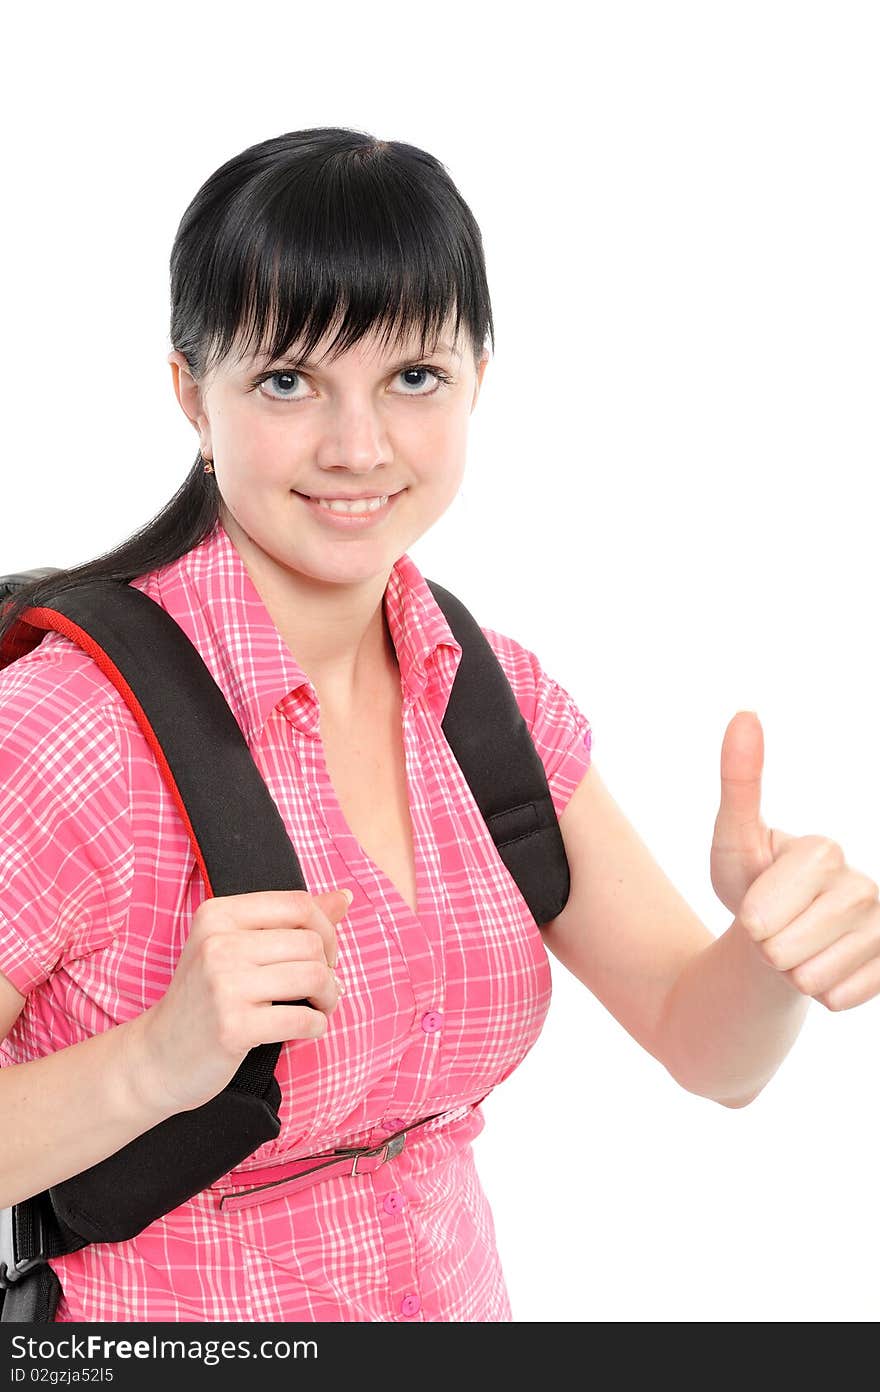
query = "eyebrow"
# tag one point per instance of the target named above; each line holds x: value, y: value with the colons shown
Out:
x: 293, y: 360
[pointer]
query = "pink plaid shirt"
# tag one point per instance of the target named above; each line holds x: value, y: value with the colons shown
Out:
x: 98, y: 886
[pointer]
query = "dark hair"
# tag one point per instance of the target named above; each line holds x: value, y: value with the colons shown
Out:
x: 307, y: 232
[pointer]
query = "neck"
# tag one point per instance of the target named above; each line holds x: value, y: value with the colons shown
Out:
x: 338, y: 634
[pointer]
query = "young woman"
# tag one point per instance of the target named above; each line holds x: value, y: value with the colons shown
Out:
x: 330, y: 319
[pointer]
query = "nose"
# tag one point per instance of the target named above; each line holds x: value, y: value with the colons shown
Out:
x: 355, y: 438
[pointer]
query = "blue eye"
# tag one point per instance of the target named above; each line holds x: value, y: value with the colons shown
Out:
x: 289, y: 375
x: 439, y: 378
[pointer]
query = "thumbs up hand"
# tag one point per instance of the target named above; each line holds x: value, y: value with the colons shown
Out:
x: 810, y: 915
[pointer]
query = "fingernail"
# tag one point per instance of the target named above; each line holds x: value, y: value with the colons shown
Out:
x: 339, y: 986
x: 349, y: 896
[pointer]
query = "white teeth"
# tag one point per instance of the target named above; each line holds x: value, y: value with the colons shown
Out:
x: 358, y: 505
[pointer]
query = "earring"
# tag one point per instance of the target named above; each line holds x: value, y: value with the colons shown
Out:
x: 208, y: 464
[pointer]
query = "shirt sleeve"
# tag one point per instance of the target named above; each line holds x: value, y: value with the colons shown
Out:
x: 560, y: 731
x: 66, y: 850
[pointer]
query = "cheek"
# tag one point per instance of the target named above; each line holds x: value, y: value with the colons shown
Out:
x: 258, y: 449
x: 435, y: 443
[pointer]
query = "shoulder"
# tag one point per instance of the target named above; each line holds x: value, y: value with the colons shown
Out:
x: 67, y: 851
x: 56, y: 702
x: 520, y: 665
x: 65, y: 784
x: 560, y: 731
x: 538, y: 693
x: 56, y: 666
x: 521, y: 668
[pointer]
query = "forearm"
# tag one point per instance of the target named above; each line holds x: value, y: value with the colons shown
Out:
x: 65, y: 1112
x: 729, y: 1021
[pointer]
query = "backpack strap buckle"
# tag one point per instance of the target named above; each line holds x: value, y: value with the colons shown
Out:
x: 19, y: 1255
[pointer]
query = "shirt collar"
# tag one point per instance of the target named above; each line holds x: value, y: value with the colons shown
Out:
x: 428, y: 653
x: 210, y: 594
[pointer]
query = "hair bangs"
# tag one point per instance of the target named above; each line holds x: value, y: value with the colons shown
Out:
x: 339, y: 248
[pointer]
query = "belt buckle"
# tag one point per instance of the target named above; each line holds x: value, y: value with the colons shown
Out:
x: 387, y: 1150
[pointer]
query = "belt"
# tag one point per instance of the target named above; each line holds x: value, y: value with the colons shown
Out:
x: 293, y: 1175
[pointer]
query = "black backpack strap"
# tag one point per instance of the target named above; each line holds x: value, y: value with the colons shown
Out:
x: 241, y: 846
x: 487, y: 734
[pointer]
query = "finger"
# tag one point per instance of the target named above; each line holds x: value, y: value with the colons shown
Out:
x: 291, y: 981
x: 829, y: 969
x: 281, y: 908
x: 284, y: 945
x: 275, y: 1024
x: 829, y: 918
x: 863, y: 985
x: 788, y: 887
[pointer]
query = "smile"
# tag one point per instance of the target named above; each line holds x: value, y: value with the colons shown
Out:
x: 361, y: 512
x: 351, y: 505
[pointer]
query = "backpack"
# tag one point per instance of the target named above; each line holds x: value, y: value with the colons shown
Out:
x: 182, y: 714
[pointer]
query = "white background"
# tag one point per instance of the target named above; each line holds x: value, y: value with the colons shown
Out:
x: 671, y: 497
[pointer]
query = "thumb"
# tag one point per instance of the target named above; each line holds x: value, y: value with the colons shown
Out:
x: 738, y: 824
x: 335, y: 902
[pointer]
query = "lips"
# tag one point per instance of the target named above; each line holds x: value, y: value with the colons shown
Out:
x: 350, y: 521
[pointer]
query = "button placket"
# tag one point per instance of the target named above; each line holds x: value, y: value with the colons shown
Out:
x: 392, y: 1209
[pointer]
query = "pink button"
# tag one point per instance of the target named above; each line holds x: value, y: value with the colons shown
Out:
x: 410, y: 1304
x: 394, y: 1124
x: 432, y: 1021
x: 393, y: 1203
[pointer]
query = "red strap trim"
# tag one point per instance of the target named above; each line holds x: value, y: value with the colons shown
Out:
x: 51, y: 620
